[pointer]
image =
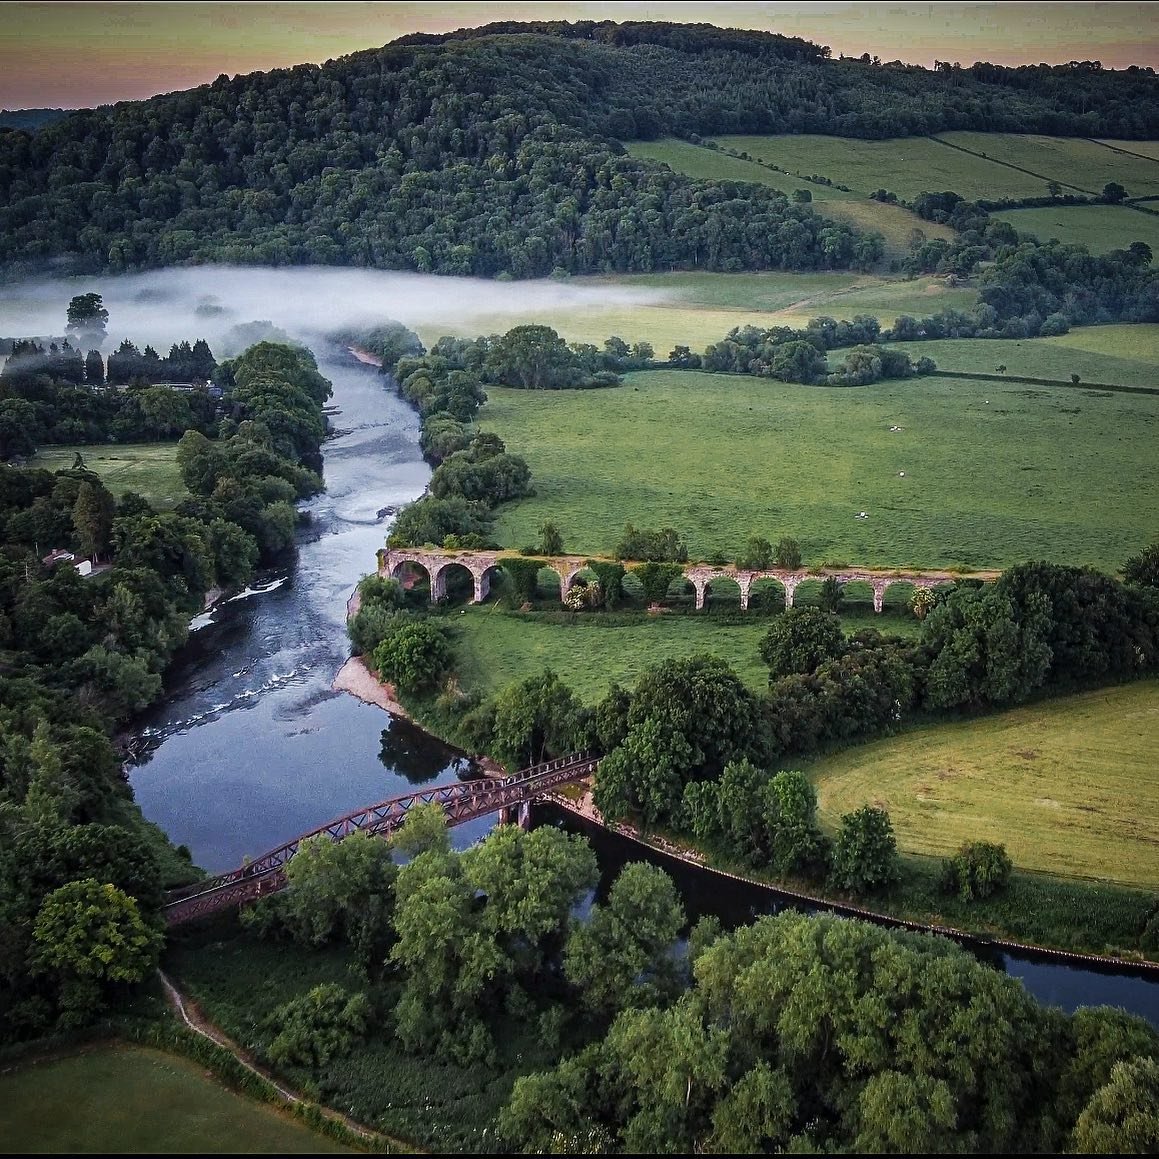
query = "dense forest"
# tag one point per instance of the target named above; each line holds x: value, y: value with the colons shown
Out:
x: 81, y: 873
x: 497, y: 151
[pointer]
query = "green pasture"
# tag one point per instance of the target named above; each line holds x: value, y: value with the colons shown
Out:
x: 1129, y: 357
x: 714, y: 165
x: 150, y: 469
x: 118, y: 1100
x: 993, y: 474
x: 906, y: 166
x: 1099, y: 227
x: 694, y: 309
x: 494, y: 647
x: 1071, y: 161
x: 1069, y: 786
x: 1148, y: 149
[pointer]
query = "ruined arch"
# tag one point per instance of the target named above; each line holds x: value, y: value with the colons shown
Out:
x: 412, y: 575
x: 454, y: 583
x: 722, y: 592
x: 767, y: 594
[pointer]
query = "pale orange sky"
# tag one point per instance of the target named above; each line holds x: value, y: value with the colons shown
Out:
x: 75, y: 54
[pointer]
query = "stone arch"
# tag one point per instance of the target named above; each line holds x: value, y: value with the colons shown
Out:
x: 683, y: 589
x: 767, y: 594
x: 723, y: 591
x: 632, y: 588
x: 411, y: 574
x: 549, y: 585
x: 807, y: 592
x: 859, y: 593
x: 454, y: 581
x: 897, y: 595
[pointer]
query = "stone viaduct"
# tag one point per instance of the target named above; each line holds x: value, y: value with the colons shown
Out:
x: 437, y: 562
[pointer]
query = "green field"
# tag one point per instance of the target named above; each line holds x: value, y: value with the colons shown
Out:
x: 122, y: 1100
x: 1099, y: 227
x: 1073, y: 161
x: 150, y: 469
x: 1128, y: 356
x: 1148, y: 149
x: 695, y: 309
x: 722, y: 457
x: 494, y: 647
x: 1070, y: 786
x: 906, y: 166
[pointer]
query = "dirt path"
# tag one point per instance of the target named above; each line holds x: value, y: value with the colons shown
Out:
x: 186, y: 1009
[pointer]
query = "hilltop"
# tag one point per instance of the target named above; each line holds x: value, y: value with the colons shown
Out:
x: 498, y: 151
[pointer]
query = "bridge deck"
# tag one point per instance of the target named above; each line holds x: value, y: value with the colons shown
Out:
x: 461, y: 801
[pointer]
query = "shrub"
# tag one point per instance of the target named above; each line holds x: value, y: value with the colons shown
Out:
x: 524, y: 575
x: 788, y: 552
x: 414, y: 655
x: 865, y: 856
x: 323, y: 1023
x: 978, y: 870
x: 801, y: 640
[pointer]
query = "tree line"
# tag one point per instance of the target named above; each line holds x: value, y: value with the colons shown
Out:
x: 81, y: 872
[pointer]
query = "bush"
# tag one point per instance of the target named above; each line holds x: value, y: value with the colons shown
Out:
x: 524, y: 575
x: 323, y: 1023
x: 800, y: 641
x: 788, y: 552
x: 414, y: 655
x: 978, y: 870
x: 370, y: 626
x: 865, y: 856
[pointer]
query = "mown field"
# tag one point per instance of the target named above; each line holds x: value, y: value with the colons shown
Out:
x: 1070, y: 786
x: 694, y: 309
x: 150, y: 469
x: 973, y: 164
x: 1119, y: 355
x: 906, y: 166
x: 494, y: 647
x: 993, y: 474
x: 118, y: 1100
x: 1099, y: 227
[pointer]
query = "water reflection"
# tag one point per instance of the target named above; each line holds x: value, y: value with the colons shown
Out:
x: 411, y: 753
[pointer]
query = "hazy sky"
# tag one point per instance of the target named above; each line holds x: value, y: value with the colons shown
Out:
x: 71, y: 54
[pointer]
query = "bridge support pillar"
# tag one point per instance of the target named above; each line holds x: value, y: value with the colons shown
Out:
x: 745, y: 583
x: 439, y: 585
x: 790, y: 586
x: 701, y: 587
x: 879, y: 587
x: 482, y: 586
x: 525, y: 816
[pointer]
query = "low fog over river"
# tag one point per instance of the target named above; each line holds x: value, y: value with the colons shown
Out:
x: 250, y: 746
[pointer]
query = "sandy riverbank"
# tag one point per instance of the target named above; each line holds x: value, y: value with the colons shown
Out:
x: 354, y: 677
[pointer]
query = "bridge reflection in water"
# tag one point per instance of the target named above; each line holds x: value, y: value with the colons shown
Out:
x: 462, y: 801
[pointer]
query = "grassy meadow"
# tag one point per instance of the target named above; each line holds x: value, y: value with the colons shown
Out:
x: 852, y: 206
x: 906, y: 166
x: 695, y: 309
x: 722, y: 457
x: 495, y: 647
x: 1099, y: 227
x: 118, y: 1099
x: 1070, y: 786
x: 1119, y: 355
x: 1081, y: 164
x: 150, y: 469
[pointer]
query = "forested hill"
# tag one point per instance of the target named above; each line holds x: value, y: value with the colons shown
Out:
x: 497, y: 151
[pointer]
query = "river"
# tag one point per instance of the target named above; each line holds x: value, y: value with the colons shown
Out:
x: 251, y: 747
